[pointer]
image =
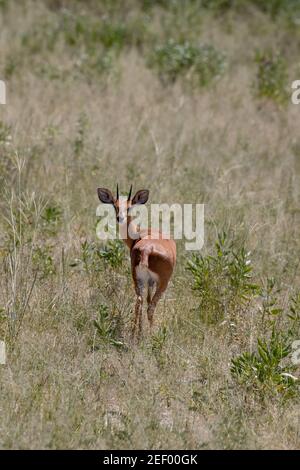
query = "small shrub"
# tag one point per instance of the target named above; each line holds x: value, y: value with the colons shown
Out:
x: 263, y: 369
x: 271, y: 76
x: 113, y: 253
x: 52, y: 214
x: 200, y: 63
x: 270, y: 310
x: 113, y: 34
x: 88, y: 260
x: 107, y: 327
x: 223, y: 281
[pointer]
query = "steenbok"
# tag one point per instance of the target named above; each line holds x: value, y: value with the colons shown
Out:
x: 152, y: 256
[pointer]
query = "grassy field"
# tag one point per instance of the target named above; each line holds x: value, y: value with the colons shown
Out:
x: 191, y: 100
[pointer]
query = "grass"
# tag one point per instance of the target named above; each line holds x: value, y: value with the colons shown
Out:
x: 85, y: 109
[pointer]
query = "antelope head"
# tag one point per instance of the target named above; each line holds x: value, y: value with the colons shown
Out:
x: 122, y: 206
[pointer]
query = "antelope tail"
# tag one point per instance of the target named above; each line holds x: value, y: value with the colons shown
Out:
x: 144, y: 262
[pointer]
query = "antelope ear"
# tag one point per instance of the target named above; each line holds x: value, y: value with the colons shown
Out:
x: 140, y: 197
x: 105, y: 196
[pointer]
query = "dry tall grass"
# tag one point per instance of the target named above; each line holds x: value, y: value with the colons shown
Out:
x: 68, y: 128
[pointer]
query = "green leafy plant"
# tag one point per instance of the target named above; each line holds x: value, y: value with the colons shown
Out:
x: 270, y: 310
x: 107, y: 327
x: 51, y: 214
x: 271, y: 76
x: 263, y: 369
x: 199, y: 63
x: 224, y: 280
x: 113, y: 253
x: 88, y: 259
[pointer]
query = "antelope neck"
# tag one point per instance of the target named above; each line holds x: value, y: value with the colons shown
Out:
x: 130, y: 242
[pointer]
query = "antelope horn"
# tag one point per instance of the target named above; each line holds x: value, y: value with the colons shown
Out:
x: 129, y: 195
x: 117, y: 191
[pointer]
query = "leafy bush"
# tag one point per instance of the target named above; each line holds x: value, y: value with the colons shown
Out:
x: 88, y: 260
x: 113, y: 253
x: 271, y: 312
x: 200, y: 63
x: 271, y: 76
x: 223, y: 281
x: 264, y: 367
x: 52, y: 214
x: 107, y: 327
